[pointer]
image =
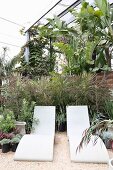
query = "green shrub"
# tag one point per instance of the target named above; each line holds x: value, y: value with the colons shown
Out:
x: 26, y: 114
x: 7, y: 121
x: 58, y: 90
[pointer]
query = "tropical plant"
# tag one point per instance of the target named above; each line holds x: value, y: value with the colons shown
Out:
x: 41, y: 58
x: 97, y: 128
x: 96, y: 25
x: 100, y: 126
x: 87, y: 45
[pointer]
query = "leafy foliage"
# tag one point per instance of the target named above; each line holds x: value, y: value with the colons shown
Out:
x: 13, y: 92
x: 7, y: 121
x: 57, y: 90
x: 95, y: 22
x: 4, y: 141
x: 16, y: 138
x: 6, y: 135
x: 42, y: 56
x: 26, y: 115
x: 87, y: 45
x: 97, y: 128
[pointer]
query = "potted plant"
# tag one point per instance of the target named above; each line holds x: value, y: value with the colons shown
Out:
x: 1, y: 137
x: 5, y: 136
x: 5, y: 145
x: 107, y: 137
x: 61, y: 122
x: 15, y: 141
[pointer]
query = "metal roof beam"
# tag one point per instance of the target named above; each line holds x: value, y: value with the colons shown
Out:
x: 43, y: 16
x: 75, y: 4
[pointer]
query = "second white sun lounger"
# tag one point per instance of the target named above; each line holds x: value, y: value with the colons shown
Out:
x: 38, y: 146
x: 77, y: 122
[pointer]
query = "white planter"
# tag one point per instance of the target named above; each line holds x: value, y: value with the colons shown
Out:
x: 111, y: 164
x: 21, y: 127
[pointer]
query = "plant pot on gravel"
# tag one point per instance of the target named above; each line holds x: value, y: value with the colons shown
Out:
x: 15, y: 141
x: 0, y: 146
x: 5, y: 136
x: 5, y: 145
x: 14, y: 147
x: 107, y: 137
x: 62, y: 127
x: 61, y: 122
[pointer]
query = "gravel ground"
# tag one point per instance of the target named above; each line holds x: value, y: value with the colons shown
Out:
x: 61, y: 159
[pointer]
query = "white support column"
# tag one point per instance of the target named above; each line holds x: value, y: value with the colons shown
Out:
x: 26, y: 53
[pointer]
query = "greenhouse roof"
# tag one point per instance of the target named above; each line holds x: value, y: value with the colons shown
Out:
x: 61, y: 9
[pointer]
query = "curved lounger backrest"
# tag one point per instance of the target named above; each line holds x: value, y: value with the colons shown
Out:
x: 77, y: 119
x: 46, y: 116
x: 77, y: 123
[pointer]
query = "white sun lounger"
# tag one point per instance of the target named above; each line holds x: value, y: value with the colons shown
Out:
x: 77, y: 122
x: 38, y: 146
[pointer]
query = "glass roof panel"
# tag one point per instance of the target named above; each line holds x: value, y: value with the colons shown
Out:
x: 90, y: 1
x: 67, y: 2
x: 110, y: 1
x: 43, y: 21
x: 60, y: 8
x: 67, y: 18
x: 57, y: 10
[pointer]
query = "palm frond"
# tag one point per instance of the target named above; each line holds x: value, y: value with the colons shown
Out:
x: 95, y: 129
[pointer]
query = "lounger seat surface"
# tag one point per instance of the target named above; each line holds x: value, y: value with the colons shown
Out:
x: 35, y: 148
x: 91, y: 153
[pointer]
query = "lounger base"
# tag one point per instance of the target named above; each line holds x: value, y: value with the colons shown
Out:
x: 35, y: 148
x: 91, y: 153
